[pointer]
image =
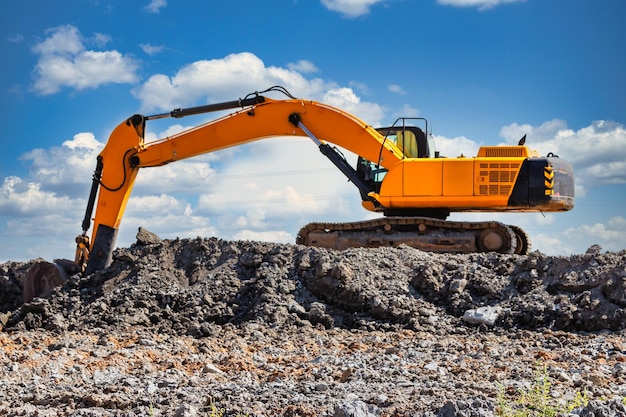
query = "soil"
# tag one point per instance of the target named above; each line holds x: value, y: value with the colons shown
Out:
x: 210, y: 327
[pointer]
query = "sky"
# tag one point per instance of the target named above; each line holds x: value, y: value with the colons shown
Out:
x: 483, y: 72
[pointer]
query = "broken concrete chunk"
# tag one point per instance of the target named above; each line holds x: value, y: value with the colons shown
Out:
x: 482, y: 315
x: 145, y: 237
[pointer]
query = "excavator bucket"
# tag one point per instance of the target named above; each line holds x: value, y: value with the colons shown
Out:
x: 43, y: 277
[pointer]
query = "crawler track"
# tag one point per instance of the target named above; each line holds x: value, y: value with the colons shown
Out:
x: 424, y: 233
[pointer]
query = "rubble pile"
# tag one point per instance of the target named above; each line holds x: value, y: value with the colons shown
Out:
x: 182, y: 326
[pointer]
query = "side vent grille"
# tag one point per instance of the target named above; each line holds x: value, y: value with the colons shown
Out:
x: 497, y: 178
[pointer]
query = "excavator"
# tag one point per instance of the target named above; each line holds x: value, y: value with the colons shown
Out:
x: 398, y: 174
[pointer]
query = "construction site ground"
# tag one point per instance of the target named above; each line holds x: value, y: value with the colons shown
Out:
x: 208, y: 327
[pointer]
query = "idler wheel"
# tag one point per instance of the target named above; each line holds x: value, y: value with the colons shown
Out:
x: 493, y: 240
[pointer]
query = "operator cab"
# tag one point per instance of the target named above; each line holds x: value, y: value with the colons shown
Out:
x: 410, y: 139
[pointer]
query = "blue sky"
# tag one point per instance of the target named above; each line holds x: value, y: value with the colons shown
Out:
x: 484, y: 72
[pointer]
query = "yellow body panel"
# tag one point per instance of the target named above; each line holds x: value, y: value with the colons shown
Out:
x: 458, y: 177
x: 455, y: 183
x: 422, y: 177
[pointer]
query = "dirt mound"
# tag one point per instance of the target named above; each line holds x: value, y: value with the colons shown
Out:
x: 183, y: 286
x: 174, y: 327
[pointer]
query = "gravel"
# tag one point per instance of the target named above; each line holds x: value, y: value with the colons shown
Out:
x: 207, y: 327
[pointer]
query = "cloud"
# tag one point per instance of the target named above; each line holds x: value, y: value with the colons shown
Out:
x: 100, y: 39
x: 189, y: 176
x: 300, y: 181
x: 21, y: 197
x: 246, y: 197
x: 219, y: 79
x: 350, y: 8
x: 303, y: 66
x: 408, y: 111
x: 481, y: 4
x: 64, y: 40
x: 597, y: 152
x: 395, y: 88
x: 278, y: 236
x: 362, y: 88
x: 155, y: 6
x: 16, y: 38
x: 165, y: 215
x: 553, y: 245
x: 239, y: 74
x: 345, y: 99
x: 151, y: 49
x: 453, y: 147
x: 611, y: 236
x: 65, y: 62
x: 66, y: 167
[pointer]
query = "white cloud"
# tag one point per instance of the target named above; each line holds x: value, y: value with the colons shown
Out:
x: 178, y: 221
x: 395, y: 88
x: 64, y: 40
x: 189, y: 176
x: 303, y: 66
x: 155, y: 6
x: 360, y: 87
x: 65, y: 62
x: 152, y: 49
x: 292, y: 200
x: 66, y: 166
x: 21, y: 197
x: 51, y: 201
x: 278, y: 236
x: 611, y: 236
x: 166, y: 215
x: 597, y: 152
x: 345, y: 99
x: 221, y: 79
x: 300, y: 180
x: 407, y: 111
x: 86, y: 141
x: 254, y: 217
x: 350, y: 8
x: 551, y: 244
x: 150, y: 205
x: 235, y: 76
x: 17, y: 38
x: 453, y: 147
x: 247, y: 198
x: 481, y: 4
x: 100, y: 39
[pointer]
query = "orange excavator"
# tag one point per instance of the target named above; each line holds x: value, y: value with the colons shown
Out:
x: 398, y: 174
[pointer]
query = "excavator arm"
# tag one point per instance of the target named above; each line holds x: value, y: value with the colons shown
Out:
x: 259, y: 117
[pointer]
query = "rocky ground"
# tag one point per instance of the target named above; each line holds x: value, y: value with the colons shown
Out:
x: 209, y: 327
